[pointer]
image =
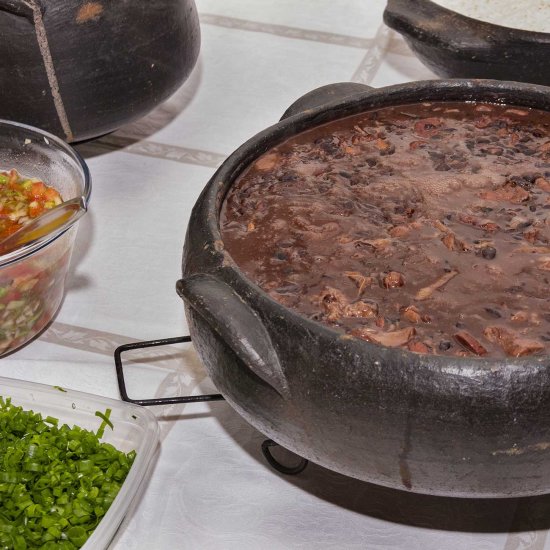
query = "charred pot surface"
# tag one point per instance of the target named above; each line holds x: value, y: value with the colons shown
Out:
x: 439, y: 425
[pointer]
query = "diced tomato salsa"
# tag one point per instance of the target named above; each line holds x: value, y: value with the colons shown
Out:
x: 22, y: 199
x: 31, y: 289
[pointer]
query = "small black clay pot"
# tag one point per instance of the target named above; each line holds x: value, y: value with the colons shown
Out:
x: 441, y: 425
x: 453, y: 45
x: 80, y: 69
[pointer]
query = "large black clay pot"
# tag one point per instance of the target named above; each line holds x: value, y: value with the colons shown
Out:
x: 81, y: 68
x: 468, y: 427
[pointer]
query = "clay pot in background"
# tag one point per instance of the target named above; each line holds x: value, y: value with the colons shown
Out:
x: 80, y: 69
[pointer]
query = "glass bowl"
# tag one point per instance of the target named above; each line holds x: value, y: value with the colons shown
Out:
x: 32, y: 278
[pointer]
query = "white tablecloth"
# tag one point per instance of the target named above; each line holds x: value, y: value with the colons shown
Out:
x: 211, y: 488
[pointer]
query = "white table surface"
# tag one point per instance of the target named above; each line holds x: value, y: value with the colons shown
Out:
x: 211, y: 488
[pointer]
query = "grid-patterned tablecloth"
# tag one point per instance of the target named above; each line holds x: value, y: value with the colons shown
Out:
x: 211, y: 488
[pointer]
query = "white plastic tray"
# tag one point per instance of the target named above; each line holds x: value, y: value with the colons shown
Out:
x: 135, y: 428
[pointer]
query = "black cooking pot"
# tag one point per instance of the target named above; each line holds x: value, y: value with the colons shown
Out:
x: 459, y: 426
x: 80, y: 69
x: 457, y: 46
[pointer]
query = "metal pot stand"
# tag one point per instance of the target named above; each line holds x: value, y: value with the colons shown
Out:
x: 267, y: 444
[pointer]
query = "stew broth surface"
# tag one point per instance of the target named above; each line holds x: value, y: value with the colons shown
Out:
x: 423, y: 226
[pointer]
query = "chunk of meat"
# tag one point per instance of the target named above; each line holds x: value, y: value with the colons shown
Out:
x: 361, y: 308
x: 543, y: 183
x: 507, y: 193
x: 512, y: 344
x: 360, y: 280
x: 418, y: 347
x: 393, y: 279
x: 333, y: 303
x: 427, y: 127
x: 453, y: 243
x: 392, y: 339
x: 470, y: 343
x: 267, y: 162
x: 427, y: 291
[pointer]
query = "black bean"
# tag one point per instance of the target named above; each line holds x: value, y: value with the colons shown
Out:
x: 493, y: 312
x: 444, y: 345
x: 514, y: 289
x: 459, y: 324
x: 524, y: 225
x: 533, y: 208
x: 389, y: 151
x: 488, y: 252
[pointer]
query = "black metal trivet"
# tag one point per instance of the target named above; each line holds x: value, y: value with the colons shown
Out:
x: 266, y: 445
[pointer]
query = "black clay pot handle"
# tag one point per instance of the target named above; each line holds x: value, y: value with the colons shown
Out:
x: 24, y: 8
x: 324, y: 95
x: 239, y: 327
x: 435, y: 25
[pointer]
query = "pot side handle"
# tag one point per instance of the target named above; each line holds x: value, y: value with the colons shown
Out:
x: 325, y: 94
x: 24, y: 8
x: 238, y: 326
x: 436, y: 26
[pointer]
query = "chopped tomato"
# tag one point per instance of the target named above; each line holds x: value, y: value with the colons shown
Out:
x: 38, y: 190
x: 35, y: 209
x: 23, y: 198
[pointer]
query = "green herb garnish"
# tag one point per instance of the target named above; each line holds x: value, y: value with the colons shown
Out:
x: 106, y: 422
x: 56, y: 482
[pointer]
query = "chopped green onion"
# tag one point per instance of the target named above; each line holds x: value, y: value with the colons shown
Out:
x: 106, y: 422
x: 56, y: 481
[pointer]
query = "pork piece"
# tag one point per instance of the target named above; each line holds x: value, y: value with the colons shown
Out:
x: 452, y: 243
x: 267, y: 162
x: 412, y: 314
x: 333, y: 303
x: 543, y: 183
x: 336, y: 306
x: 393, y: 279
x: 361, y: 281
x: 428, y: 127
x: 470, y: 343
x: 512, y: 344
x: 361, y: 308
x: 392, y: 339
x: 419, y: 347
x: 426, y: 292
x: 508, y: 193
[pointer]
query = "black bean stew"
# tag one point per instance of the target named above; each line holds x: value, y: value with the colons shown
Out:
x: 423, y: 226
